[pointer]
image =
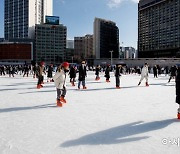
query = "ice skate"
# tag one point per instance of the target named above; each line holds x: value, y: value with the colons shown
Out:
x: 84, y: 87
x: 38, y: 86
x: 118, y: 87
x: 59, y: 104
x: 178, y: 114
x: 62, y: 99
x: 147, y: 85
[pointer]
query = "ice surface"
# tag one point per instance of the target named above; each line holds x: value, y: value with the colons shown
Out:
x: 99, y: 120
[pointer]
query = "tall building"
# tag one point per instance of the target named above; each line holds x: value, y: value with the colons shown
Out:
x: 106, y: 38
x: 70, y: 44
x: 21, y: 16
x: 159, y: 28
x: 50, y: 43
x: 83, y: 47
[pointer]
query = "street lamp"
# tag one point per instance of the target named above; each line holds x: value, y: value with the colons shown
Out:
x: 111, y: 57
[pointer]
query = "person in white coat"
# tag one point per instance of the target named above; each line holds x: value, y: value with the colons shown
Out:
x: 144, y: 74
x: 60, y: 83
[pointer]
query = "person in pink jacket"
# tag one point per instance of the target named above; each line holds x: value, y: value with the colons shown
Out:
x: 60, y: 83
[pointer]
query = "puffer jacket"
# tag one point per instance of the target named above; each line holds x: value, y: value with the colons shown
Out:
x: 60, y: 80
x: 145, y: 71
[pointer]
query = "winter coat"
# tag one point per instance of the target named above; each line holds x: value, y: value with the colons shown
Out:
x: 145, y: 71
x: 40, y: 70
x: 50, y: 70
x: 72, y: 73
x: 107, y: 72
x: 60, y: 79
x: 117, y: 72
x: 178, y: 86
x: 97, y: 71
x: 173, y: 71
x: 82, y: 73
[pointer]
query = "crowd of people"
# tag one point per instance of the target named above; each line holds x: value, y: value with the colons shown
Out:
x: 61, y: 72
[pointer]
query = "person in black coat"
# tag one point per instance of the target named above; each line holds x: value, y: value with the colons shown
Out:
x: 72, y: 74
x: 82, y: 75
x: 26, y: 70
x: 117, y: 75
x: 178, y: 90
x: 107, y: 73
x: 97, y: 72
x: 49, y: 73
x: 173, y: 72
x: 155, y: 71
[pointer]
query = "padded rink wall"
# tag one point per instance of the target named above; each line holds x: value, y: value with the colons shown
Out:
x: 139, y: 62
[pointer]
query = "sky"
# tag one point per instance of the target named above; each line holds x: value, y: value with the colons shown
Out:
x: 78, y: 16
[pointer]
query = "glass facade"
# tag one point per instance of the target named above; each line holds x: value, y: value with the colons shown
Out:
x: 159, y: 28
x: 16, y: 19
x: 50, y: 43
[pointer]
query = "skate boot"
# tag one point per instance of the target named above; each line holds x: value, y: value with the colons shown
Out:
x: 147, y: 85
x: 178, y: 115
x: 139, y: 83
x: 84, y: 87
x: 59, y: 104
x: 38, y: 86
x: 41, y: 85
x: 62, y: 99
x: 118, y: 87
x: 73, y: 84
x: 107, y: 81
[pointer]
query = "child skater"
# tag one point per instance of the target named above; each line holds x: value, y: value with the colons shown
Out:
x: 178, y: 90
x: 60, y: 83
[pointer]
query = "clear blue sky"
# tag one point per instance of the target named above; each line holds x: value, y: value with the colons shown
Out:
x: 78, y: 16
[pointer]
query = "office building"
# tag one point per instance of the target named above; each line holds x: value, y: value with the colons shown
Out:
x: 50, y: 43
x: 159, y: 28
x: 21, y: 16
x: 106, y: 38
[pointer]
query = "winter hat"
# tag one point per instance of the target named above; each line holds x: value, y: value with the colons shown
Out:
x: 42, y: 63
x: 65, y: 64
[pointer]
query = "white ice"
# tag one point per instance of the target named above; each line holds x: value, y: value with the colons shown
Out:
x: 99, y: 120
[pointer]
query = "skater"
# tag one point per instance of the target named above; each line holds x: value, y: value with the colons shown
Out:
x: 144, y: 74
x: 178, y: 90
x: 72, y: 74
x: 173, y: 73
x: 2, y: 70
x: 118, y: 75
x: 155, y: 71
x: 49, y: 73
x: 40, y: 71
x: 107, y: 73
x: 11, y: 71
x: 166, y: 70
x: 82, y: 75
x: 97, y: 72
x: 26, y: 70
x: 60, y: 83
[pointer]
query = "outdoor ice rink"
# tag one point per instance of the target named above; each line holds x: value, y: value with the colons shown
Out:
x: 99, y: 120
